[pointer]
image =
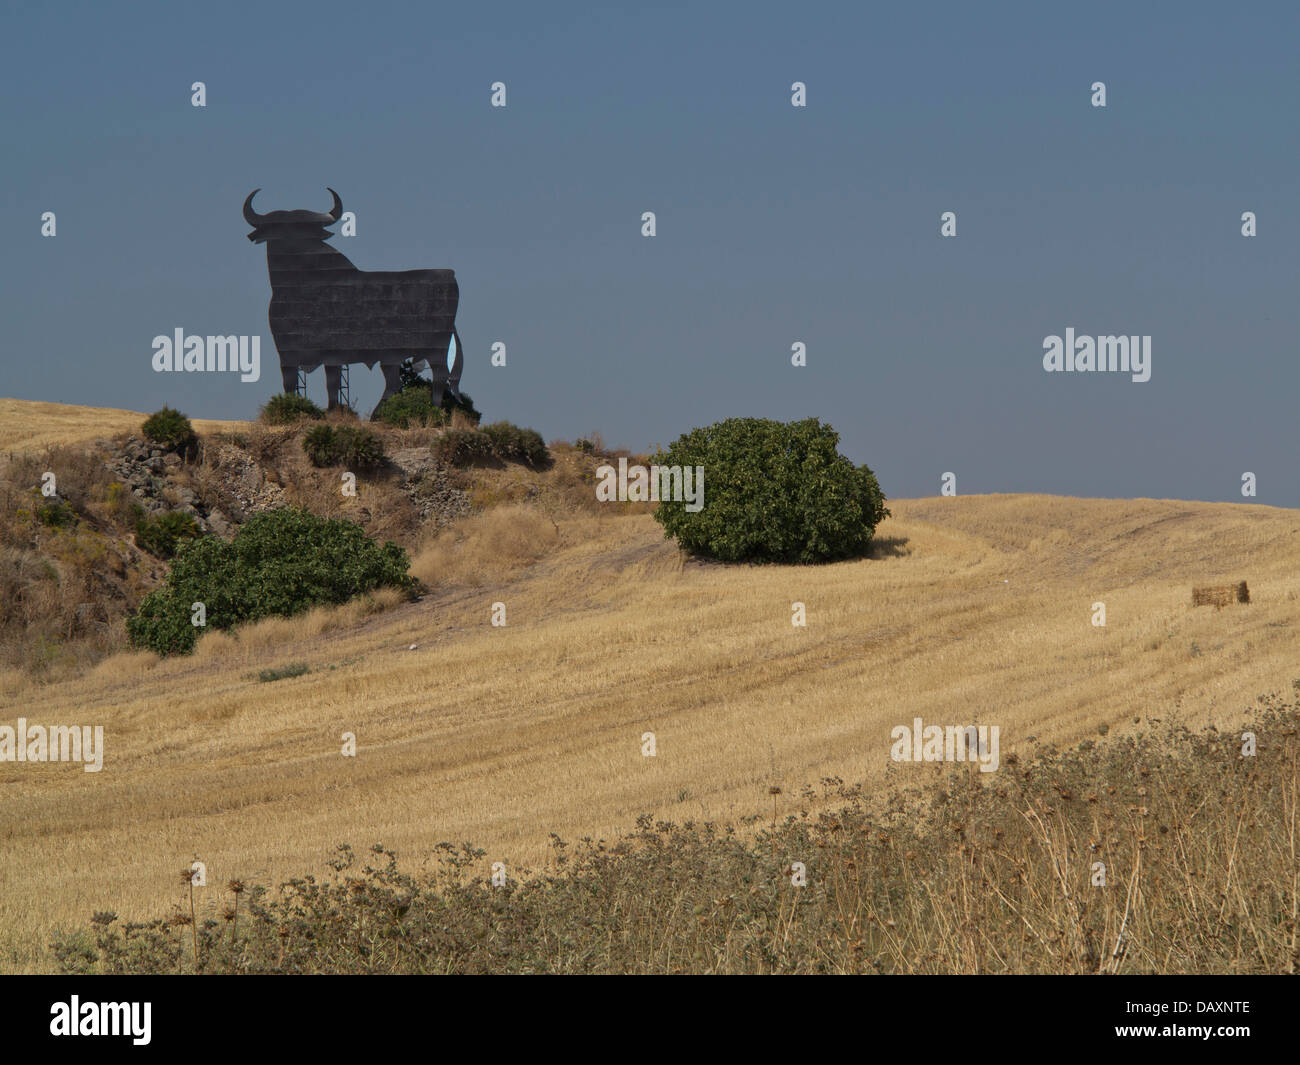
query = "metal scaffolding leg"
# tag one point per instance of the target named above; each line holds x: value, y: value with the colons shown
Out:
x: 302, y: 383
x: 345, y: 392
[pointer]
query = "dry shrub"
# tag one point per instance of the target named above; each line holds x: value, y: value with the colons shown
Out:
x: 486, y: 547
x: 124, y: 666
x: 13, y: 682
x: 265, y: 443
x: 973, y: 873
x: 249, y: 644
x: 210, y: 711
x: 380, y: 506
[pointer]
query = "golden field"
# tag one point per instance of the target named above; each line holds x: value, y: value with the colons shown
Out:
x: 26, y: 425
x: 972, y: 609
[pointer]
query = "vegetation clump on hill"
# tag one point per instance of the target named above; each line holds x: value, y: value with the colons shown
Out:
x: 285, y: 408
x: 344, y: 445
x: 281, y: 562
x: 162, y: 534
x: 773, y: 492
x: 462, y: 447
x: 171, y: 430
x: 1116, y: 856
x: 500, y: 440
x: 414, y: 406
x: 513, y: 444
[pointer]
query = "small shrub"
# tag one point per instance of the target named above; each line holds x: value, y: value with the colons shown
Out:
x: 412, y: 406
x: 287, y: 408
x: 170, y: 430
x: 320, y: 445
x: 513, y: 444
x: 359, y: 447
x: 163, y: 534
x: 412, y: 382
x: 56, y: 514
x: 120, y: 507
x: 585, y: 446
x: 284, y: 673
x: 344, y: 445
x: 462, y: 447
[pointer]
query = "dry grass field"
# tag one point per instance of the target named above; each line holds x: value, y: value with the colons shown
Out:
x: 26, y: 425
x: 973, y: 609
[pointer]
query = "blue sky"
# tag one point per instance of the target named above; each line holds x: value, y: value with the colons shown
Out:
x: 775, y: 224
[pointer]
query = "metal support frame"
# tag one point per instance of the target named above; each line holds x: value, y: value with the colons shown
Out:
x: 345, y: 390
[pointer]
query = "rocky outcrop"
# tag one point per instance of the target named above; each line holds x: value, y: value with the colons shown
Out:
x: 159, y: 481
x: 430, y: 486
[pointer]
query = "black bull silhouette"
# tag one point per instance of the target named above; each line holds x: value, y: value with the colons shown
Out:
x: 326, y: 312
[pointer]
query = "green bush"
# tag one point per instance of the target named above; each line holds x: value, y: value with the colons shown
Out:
x: 412, y: 381
x: 56, y: 513
x: 286, y: 408
x: 320, y: 445
x: 359, y: 447
x: 170, y: 430
x: 413, y: 405
x: 773, y: 492
x: 161, y: 536
x: 461, y: 447
x: 516, y: 445
x: 346, y: 445
x: 281, y: 562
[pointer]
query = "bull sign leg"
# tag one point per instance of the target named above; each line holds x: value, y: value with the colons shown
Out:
x: 289, y: 375
x: 332, y: 376
x: 392, y: 380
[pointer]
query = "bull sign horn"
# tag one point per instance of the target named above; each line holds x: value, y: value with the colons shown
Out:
x: 251, y: 216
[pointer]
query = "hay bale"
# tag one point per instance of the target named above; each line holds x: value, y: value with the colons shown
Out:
x: 1221, y: 595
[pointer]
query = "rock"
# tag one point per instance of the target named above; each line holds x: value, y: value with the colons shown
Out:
x: 171, y: 459
x: 414, y: 462
x: 437, y: 498
x: 220, y: 524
